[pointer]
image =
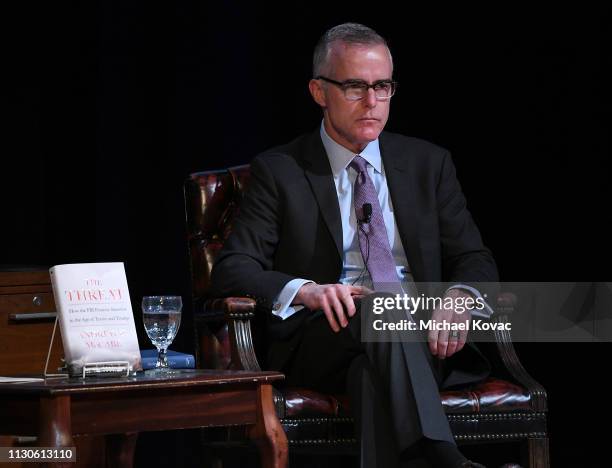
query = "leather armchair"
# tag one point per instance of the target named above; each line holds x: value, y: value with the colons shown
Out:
x: 511, y: 408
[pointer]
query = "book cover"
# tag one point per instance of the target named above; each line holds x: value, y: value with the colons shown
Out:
x: 95, y: 314
x: 176, y: 360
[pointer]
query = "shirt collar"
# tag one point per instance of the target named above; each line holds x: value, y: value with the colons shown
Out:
x: 340, y: 157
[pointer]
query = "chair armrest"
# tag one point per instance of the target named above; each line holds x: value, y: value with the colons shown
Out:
x: 238, y: 312
x: 506, y: 303
x: 230, y: 307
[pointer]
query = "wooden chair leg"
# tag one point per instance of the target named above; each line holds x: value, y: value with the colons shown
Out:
x: 535, y: 453
x: 268, y: 433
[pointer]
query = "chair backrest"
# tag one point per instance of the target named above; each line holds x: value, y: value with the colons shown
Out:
x: 212, y: 200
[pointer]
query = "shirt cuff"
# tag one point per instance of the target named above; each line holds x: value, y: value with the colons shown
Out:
x: 281, y: 306
x: 486, y: 311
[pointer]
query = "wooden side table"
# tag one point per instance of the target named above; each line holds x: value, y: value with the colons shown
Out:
x: 120, y: 408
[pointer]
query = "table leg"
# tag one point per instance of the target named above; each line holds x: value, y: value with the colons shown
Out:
x: 268, y: 433
x: 120, y: 449
x: 55, y: 425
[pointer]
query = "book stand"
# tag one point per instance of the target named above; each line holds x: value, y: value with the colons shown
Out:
x: 92, y: 369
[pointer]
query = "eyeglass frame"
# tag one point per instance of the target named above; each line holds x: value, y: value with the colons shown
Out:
x: 342, y: 85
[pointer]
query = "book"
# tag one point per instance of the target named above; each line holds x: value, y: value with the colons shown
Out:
x: 95, y: 315
x: 176, y: 360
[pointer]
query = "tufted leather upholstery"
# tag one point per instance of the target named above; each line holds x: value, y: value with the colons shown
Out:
x: 492, y: 410
x: 492, y: 395
x: 212, y: 200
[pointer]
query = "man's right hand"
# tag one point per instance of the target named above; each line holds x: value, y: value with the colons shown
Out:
x: 335, y: 300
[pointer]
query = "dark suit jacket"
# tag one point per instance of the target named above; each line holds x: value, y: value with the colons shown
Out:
x: 289, y: 223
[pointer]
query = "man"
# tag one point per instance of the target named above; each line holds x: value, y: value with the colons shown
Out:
x: 315, y: 210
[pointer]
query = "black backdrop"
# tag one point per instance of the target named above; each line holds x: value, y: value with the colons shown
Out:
x: 106, y: 109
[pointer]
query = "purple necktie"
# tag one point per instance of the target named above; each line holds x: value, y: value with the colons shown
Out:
x: 373, y: 239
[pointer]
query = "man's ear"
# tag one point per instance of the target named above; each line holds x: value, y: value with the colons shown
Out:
x: 317, y: 92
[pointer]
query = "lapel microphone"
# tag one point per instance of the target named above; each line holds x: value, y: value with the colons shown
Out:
x: 367, y: 213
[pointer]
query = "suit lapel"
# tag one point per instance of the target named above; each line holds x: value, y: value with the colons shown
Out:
x: 402, y: 184
x: 401, y: 181
x: 319, y: 174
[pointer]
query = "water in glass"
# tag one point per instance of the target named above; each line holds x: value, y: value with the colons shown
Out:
x: 161, y: 316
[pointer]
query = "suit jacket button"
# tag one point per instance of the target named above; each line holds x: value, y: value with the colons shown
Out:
x: 277, y: 307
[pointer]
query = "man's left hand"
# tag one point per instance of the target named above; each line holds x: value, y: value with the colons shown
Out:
x: 442, y: 343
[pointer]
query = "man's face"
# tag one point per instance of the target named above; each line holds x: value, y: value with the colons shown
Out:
x: 353, y: 124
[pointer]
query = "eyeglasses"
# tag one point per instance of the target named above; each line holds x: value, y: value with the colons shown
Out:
x: 354, y: 90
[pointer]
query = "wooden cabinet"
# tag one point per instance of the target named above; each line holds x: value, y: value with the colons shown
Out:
x: 27, y: 315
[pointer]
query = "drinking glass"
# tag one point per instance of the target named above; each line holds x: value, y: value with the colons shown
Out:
x: 162, y: 317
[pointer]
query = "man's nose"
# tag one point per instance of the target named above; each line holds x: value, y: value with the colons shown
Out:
x: 370, y: 98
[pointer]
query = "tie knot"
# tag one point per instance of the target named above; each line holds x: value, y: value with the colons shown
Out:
x: 359, y: 164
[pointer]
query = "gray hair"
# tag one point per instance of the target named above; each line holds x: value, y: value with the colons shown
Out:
x: 349, y: 33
